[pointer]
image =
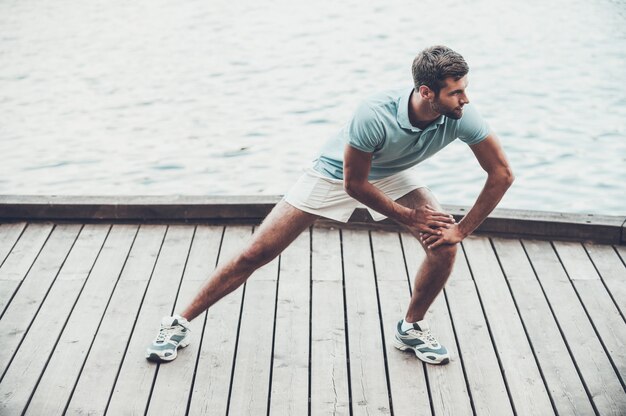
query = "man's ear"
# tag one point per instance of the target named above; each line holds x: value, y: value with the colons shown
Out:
x: 426, y: 93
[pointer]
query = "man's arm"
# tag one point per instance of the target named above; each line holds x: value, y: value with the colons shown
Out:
x: 356, y: 168
x: 493, y: 160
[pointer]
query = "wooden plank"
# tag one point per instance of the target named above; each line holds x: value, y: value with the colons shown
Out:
x: 566, y: 389
x: 522, y: 375
x: 329, y: 370
x: 606, y: 318
x: 20, y: 260
x: 367, y: 366
x: 93, y: 388
x: 22, y: 310
x: 593, y: 364
x: 30, y: 360
x: 251, y: 377
x: 173, y: 383
x: 134, y: 383
x: 290, y: 371
x: 215, y: 362
x: 612, y: 271
x: 486, y: 385
x: 63, y: 369
x: 9, y: 234
x: 531, y: 224
x: 448, y: 388
x: 407, y: 375
x: 621, y: 250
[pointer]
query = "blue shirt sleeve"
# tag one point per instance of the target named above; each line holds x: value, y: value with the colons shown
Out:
x: 365, y: 131
x: 472, y: 127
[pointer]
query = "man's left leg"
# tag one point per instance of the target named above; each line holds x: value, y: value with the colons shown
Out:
x: 414, y: 332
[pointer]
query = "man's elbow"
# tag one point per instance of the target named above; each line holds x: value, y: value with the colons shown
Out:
x: 504, y: 176
x: 352, y: 188
x: 508, y: 177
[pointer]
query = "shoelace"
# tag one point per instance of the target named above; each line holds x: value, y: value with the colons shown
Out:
x: 426, y: 334
x: 429, y: 336
x: 165, y: 333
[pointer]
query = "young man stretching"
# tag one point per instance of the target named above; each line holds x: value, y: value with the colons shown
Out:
x: 367, y: 163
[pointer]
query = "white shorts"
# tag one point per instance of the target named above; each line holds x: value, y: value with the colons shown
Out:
x: 319, y: 195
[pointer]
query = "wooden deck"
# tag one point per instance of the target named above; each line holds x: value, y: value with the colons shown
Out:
x: 534, y: 327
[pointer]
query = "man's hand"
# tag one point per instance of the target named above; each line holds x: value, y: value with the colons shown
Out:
x: 428, y: 220
x: 448, y: 235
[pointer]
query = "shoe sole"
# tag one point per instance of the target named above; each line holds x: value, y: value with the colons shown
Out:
x: 420, y: 355
x: 155, y: 358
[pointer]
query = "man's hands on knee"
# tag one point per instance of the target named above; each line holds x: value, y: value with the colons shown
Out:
x: 428, y: 220
x: 448, y: 235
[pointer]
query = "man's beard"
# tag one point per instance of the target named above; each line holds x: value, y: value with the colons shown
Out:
x: 453, y: 113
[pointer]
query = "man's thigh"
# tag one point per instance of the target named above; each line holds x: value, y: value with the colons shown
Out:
x: 282, y: 225
x: 418, y: 198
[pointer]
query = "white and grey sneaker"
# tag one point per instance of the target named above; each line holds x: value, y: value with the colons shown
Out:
x: 173, y: 334
x: 421, y: 340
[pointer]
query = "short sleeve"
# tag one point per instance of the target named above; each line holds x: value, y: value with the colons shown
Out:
x: 365, y: 131
x: 472, y: 127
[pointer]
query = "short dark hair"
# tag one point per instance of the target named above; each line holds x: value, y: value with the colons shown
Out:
x: 433, y: 65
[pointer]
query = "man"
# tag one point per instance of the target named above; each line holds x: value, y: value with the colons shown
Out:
x: 366, y: 163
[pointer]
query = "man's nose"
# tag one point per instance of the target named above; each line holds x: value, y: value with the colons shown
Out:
x: 464, y: 99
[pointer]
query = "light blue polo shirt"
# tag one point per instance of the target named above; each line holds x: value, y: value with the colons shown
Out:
x: 381, y: 126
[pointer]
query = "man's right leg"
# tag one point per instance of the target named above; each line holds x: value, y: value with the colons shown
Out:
x: 283, y: 224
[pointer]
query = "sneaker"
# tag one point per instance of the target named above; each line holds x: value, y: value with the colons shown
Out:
x: 174, y: 334
x: 420, y: 340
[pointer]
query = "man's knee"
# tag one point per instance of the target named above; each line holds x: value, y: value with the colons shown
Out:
x: 443, y: 253
x: 255, y: 256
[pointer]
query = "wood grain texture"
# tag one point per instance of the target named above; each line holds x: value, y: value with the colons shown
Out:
x: 592, y: 362
x: 487, y: 388
x: 448, y: 388
x: 29, y: 362
x: 63, y: 369
x: 329, y: 372
x: 217, y: 352
x: 134, y: 383
x: 607, y: 321
x: 367, y: 365
x: 407, y: 374
x: 526, y: 386
x: 173, y: 383
x: 290, y: 375
x: 95, y: 383
x: 23, y: 308
x: 566, y: 389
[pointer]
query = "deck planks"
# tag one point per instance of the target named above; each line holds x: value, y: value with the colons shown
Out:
x: 407, y: 376
x: 565, y: 387
x: 448, y: 389
x: 175, y: 381
x: 329, y: 370
x: 213, y: 376
x: 290, y: 367
x: 606, y: 392
x: 30, y: 360
x: 56, y: 384
x: 526, y: 387
x: 134, y: 383
x: 95, y: 384
x: 533, y: 327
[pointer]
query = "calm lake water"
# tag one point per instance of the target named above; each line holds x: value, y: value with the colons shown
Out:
x: 235, y: 97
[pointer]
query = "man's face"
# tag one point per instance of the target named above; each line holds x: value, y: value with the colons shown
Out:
x: 451, y: 98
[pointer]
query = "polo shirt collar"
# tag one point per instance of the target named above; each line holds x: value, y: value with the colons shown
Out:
x: 403, y: 115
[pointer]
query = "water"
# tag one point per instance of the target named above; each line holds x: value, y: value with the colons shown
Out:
x: 235, y: 97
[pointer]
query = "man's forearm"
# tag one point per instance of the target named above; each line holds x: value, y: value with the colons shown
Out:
x: 491, y: 194
x: 369, y: 195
